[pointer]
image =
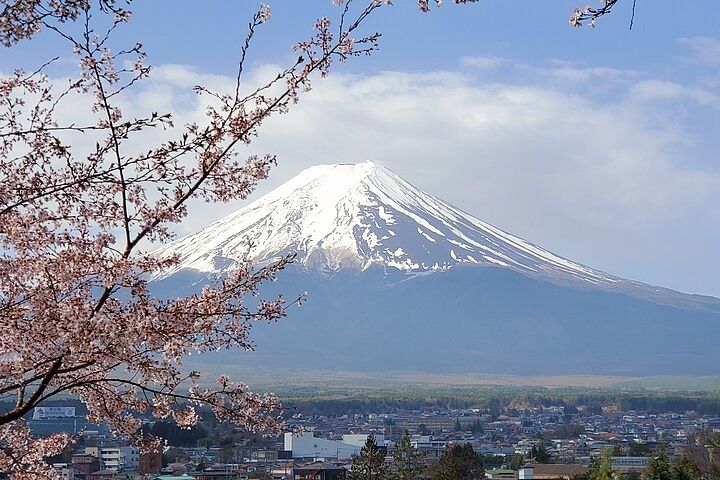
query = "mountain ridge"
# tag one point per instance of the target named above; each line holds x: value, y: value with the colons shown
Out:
x: 353, y: 216
x: 399, y: 280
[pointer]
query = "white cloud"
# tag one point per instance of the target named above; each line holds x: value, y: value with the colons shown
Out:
x: 485, y: 62
x: 588, y: 74
x: 655, y: 90
x: 558, y: 69
x: 705, y: 50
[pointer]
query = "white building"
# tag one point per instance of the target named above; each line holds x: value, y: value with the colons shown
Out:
x: 65, y: 471
x: 359, y: 439
x: 423, y: 442
x: 306, y: 445
x: 623, y: 464
x: 116, y: 458
x: 526, y: 473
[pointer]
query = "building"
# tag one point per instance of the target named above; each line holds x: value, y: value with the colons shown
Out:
x: 623, y: 464
x: 501, y: 474
x: 281, y: 470
x: 64, y: 471
x: 426, y: 444
x: 359, y: 439
x: 104, y: 474
x: 319, y: 471
x: 116, y: 457
x: 217, y: 474
x: 264, y: 455
x: 84, y: 464
x: 437, y: 424
x: 306, y: 445
x: 550, y: 471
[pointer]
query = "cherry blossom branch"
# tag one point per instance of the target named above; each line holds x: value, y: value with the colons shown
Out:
x: 589, y: 15
x: 22, y: 407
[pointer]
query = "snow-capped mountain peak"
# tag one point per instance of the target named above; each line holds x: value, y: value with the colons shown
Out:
x: 353, y: 216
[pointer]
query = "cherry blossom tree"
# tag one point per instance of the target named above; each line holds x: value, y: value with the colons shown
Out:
x: 76, y: 315
x: 79, y: 205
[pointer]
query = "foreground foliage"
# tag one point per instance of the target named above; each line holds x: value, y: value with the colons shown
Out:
x: 78, y: 201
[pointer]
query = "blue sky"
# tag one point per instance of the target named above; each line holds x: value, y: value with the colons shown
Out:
x: 599, y: 144
x: 204, y: 33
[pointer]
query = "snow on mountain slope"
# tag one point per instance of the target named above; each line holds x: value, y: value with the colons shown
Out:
x: 353, y: 216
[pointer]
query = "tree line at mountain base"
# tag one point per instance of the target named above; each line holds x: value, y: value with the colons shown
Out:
x: 496, y: 399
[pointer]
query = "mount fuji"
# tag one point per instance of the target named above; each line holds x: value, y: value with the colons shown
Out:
x: 401, y: 280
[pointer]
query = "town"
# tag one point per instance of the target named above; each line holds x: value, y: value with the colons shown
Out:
x: 510, y: 441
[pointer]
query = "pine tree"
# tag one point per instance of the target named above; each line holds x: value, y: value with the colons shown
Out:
x: 370, y: 464
x: 631, y: 476
x: 459, y: 462
x: 659, y: 468
x: 539, y: 454
x: 408, y: 461
x: 685, y: 469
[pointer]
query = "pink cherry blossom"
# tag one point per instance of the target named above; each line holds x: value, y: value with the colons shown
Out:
x: 76, y: 314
